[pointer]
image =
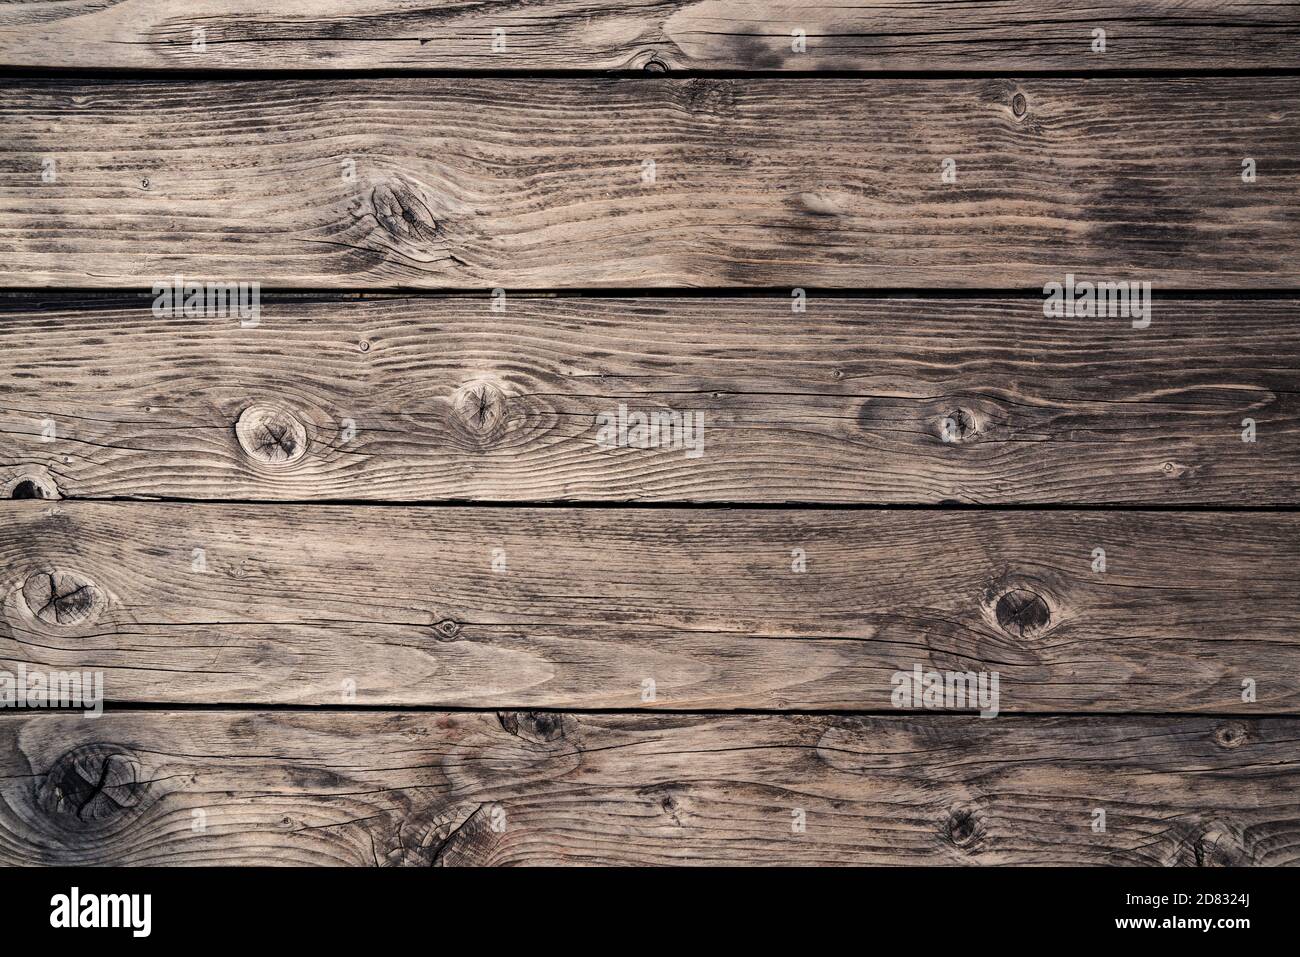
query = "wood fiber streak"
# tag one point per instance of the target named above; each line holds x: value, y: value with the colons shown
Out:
x: 544, y: 183
x: 703, y: 608
x: 649, y: 34
x: 536, y: 788
x: 418, y: 400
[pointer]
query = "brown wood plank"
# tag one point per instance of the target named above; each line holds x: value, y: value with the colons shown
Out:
x: 854, y: 401
x: 544, y: 183
x: 476, y: 789
x: 650, y: 34
x: 705, y: 608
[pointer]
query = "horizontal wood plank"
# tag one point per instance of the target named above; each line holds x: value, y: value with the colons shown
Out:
x: 853, y: 401
x: 653, y: 608
x: 650, y: 34
x: 560, y: 183
x: 161, y: 788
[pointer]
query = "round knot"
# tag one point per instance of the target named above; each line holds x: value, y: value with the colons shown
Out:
x: 91, y: 784
x: 1231, y: 735
x: 62, y: 598
x: 1019, y: 106
x: 1218, y: 846
x: 958, y: 425
x: 270, y: 435
x: 403, y: 214
x: 480, y: 407
x: 1023, y: 613
x: 447, y: 630
x: 962, y: 829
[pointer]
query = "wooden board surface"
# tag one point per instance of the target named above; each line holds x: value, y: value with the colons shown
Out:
x: 853, y: 401
x: 366, y: 584
x: 543, y: 183
x: 650, y: 34
x: 440, y: 789
x: 590, y: 608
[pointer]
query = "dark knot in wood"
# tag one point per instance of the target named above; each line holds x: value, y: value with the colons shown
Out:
x: 271, y: 435
x: 1023, y: 613
x: 27, y: 488
x: 1217, y: 846
x: 480, y: 407
x: 962, y: 829
x: 958, y: 426
x: 28, y: 485
x: 536, y: 726
x: 447, y: 630
x: 1019, y: 106
x: 655, y: 65
x: 1231, y: 735
x: 91, y: 784
x: 403, y: 214
x: 62, y: 598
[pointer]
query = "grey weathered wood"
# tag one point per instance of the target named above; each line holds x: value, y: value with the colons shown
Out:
x: 423, y: 399
x: 473, y: 789
x: 584, y: 608
x: 649, y: 34
x: 541, y: 183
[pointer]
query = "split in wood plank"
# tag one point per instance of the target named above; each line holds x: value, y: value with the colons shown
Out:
x: 852, y: 401
x: 563, y: 183
x: 652, y: 35
x: 363, y: 789
x: 654, y: 608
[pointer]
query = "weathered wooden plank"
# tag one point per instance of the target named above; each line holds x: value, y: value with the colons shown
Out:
x: 161, y: 788
x: 854, y: 401
x: 549, y: 184
x: 653, y: 608
x: 650, y: 34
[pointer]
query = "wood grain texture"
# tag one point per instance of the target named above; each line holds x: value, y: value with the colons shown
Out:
x: 649, y: 34
x: 543, y: 183
x: 435, y: 789
x: 579, y: 608
x: 854, y: 401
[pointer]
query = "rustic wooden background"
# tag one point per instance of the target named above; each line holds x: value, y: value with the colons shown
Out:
x: 365, y: 590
